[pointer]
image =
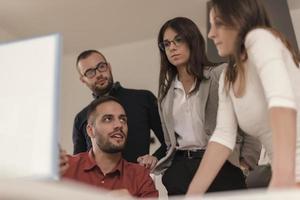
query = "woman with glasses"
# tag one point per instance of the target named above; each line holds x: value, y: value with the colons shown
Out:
x: 188, y: 101
x: 259, y: 91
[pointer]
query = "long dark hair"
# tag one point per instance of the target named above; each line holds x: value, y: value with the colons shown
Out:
x: 189, y: 31
x: 244, y: 15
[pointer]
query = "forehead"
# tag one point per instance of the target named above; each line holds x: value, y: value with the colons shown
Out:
x: 90, y: 61
x: 170, y: 34
x: 110, y: 108
x: 213, y: 14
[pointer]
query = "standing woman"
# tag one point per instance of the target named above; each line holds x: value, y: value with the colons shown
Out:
x: 258, y: 91
x: 188, y: 101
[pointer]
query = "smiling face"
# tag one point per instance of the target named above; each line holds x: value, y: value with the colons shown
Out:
x: 178, y: 52
x: 102, y: 82
x: 223, y: 36
x: 109, y: 128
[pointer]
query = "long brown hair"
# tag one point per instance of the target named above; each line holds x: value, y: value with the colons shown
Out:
x: 244, y: 15
x: 189, y: 31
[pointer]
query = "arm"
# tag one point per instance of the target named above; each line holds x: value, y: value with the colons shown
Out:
x: 274, y: 71
x: 221, y: 143
x: 215, y: 156
x: 283, y: 124
x: 164, y: 162
x: 150, y: 161
x: 156, y: 126
x: 147, y: 161
x: 79, y: 143
x: 146, y: 186
x: 248, y: 147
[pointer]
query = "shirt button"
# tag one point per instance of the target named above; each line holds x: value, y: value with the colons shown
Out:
x: 102, y: 181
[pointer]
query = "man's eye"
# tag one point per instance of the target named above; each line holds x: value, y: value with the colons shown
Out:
x: 101, y: 65
x: 123, y: 120
x: 89, y: 72
x: 107, y: 119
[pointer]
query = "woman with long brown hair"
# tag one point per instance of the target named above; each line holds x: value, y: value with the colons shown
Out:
x: 188, y: 101
x: 258, y: 91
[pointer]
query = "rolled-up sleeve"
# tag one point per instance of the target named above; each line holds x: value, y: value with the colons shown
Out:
x: 226, y: 128
x: 266, y: 52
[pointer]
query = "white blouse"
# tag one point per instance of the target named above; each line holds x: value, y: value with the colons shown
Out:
x: 188, y: 123
x: 272, y: 80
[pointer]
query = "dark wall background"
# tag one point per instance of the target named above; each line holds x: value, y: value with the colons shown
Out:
x: 279, y: 13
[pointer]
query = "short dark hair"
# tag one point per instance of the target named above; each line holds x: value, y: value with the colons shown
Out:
x: 86, y: 54
x: 91, y: 112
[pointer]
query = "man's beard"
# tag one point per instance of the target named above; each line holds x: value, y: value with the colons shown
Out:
x: 103, y: 91
x: 108, y: 147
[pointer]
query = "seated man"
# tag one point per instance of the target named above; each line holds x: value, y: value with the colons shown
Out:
x: 103, y: 166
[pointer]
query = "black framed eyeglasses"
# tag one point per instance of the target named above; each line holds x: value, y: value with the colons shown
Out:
x: 101, y: 67
x: 166, y: 44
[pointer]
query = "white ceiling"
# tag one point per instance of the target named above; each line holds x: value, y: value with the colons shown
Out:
x: 96, y: 24
x: 93, y: 23
x: 294, y: 4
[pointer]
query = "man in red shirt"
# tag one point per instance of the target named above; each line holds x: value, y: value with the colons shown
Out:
x: 103, y: 166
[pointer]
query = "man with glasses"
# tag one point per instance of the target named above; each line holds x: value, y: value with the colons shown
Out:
x: 140, y: 106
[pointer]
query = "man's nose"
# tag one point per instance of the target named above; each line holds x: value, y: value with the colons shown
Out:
x: 98, y: 74
x: 118, y: 124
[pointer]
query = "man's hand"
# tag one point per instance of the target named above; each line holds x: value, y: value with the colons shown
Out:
x: 63, y: 162
x: 147, y: 161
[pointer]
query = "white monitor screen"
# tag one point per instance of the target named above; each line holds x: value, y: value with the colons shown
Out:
x: 29, y: 82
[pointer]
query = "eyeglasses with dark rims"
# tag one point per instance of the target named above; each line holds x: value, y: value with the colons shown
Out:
x: 166, y: 44
x: 101, y: 67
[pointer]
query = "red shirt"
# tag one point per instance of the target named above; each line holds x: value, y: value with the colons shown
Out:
x: 125, y: 175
